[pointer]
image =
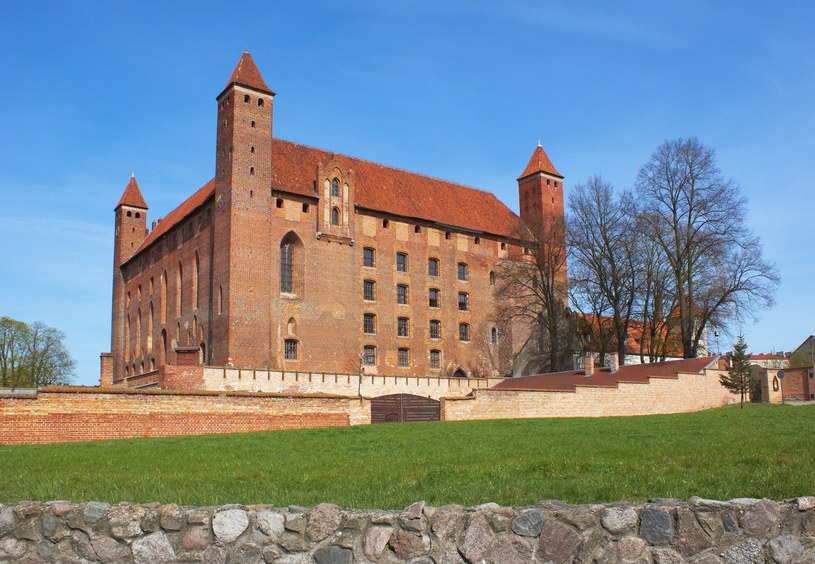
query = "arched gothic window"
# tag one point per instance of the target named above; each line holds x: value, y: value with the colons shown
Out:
x: 335, y: 187
x: 286, y: 264
x: 335, y: 216
x: 291, y: 265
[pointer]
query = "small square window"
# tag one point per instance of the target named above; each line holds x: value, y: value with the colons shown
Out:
x: 401, y: 262
x: 305, y: 208
x: 368, y: 257
x: 417, y: 229
x: 404, y: 358
x: 279, y: 202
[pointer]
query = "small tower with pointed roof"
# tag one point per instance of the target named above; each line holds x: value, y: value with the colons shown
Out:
x: 540, y: 190
x: 131, y: 229
x: 243, y: 261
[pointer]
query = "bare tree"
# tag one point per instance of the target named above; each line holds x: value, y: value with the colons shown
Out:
x: 603, y: 261
x: 697, y: 219
x: 33, y: 355
x: 533, y: 286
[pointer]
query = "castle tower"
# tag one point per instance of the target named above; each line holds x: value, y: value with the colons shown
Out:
x: 131, y: 229
x: 242, y: 262
x: 540, y: 191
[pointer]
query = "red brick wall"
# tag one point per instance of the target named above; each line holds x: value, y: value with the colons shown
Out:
x: 796, y: 383
x: 85, y: 414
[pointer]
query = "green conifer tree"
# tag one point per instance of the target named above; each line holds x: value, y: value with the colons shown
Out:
x: 739, y: 378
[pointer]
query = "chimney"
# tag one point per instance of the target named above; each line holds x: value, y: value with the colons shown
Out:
x: 613, y: 362
x: 588, y: 364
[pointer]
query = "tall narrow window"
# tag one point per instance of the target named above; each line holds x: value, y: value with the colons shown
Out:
x: 494, y: 336
x: 286, y: 267
x: 369, y: 355
x: 463, y: 301
x: 463, y: 271
x: 433, y: 267
x: 195, y: 281
x: 220, y: 300
x: 179, y: 294
x: 368, y: 257
x: 290, y: 350
x: 435, y: 329
x: 404, y: 358
x: 403, y: 327
x: 369, y: 290
x: 463, y: 332
x: 369, y: 324
x: 435, y: 359
x: 127, y: 338
x: 401, y: 262
x: 150, y: 329
x: 335, y: 216
x: 492, y: 278
x: 433, y: 297
x: 401, y: 294
x: 335, y: 187
x: 164, y: 305
x: 137, y: 348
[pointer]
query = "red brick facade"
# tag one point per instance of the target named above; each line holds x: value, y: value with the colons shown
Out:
x: 296, y: 258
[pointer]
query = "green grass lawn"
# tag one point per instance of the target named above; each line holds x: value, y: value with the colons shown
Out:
x: 762, y: 451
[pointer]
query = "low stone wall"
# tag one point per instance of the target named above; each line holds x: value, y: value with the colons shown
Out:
x: 662, y: 531
x: 65, y: 414
x: 680, y: 394
x: 372, y: 385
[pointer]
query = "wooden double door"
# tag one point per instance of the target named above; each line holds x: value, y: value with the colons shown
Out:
x: 396, y: 408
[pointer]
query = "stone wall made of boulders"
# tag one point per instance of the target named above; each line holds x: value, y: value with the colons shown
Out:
x: 660, y: 531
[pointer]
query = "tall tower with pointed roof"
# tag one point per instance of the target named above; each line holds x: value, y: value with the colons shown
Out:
x: 540, y: 191
x: 242, y: 258
x: 131, y: 229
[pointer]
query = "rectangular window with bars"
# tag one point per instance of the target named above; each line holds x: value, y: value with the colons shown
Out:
x: 435, y: 359
x: 403, y: 327
x: 435, y: 329
x: 368, y: 257
x: 401, y: 294
x: 369, y: 290
x: 369, y: 355
x: 433, y: 297
x: 463, y: 272
x: 404, y: 358
x: 369, y: 324
x: 433, y: 267
x: 290, y: 351
x: 463, y: 301
x: 463, y: 332
x: 401, y: 262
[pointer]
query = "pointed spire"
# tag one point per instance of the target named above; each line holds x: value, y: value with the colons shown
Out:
x: 246, y: 73
x: 132, y: 195
x: 539, y: 162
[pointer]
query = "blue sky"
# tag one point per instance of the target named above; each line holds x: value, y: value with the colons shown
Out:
x: 457, y: 90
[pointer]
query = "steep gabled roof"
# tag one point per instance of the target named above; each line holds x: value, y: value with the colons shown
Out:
x: 603, y: 378
x: 378, y: 188
x: 539, y: 162
x: 246, y: 73
x: 396, y: 191
x: 132, y: 196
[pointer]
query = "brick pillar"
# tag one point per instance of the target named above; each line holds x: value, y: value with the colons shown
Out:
x: 588, y: 365
x: 106, y: 369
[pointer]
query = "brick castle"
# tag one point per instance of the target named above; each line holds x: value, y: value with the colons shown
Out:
x: 301, y: 259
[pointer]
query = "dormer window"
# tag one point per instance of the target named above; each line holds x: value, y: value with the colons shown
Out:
x: 335, y: 187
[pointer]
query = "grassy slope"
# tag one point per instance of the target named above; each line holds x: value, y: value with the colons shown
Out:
x: 763, y: 451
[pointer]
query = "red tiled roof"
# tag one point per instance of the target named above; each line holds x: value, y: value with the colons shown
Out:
x: 247, y: 73
x: 603, y: 378
x: 178, y: 214
x: 766, y: 357
x: 132, y: 196
x: 378, y: 187
x: 396, y: 191
x: 539, y: 162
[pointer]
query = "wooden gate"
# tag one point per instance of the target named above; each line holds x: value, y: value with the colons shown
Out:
x: 404, y: 407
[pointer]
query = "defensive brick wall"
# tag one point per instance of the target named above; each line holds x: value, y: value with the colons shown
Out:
x: 66, y: 414
x: 684, y: 393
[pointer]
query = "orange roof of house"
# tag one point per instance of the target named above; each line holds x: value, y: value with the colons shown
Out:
x: 378, y: 187
x: 246, y: 73
x: 539, y: 162
x: 603, y: 378
x: 132, y: 195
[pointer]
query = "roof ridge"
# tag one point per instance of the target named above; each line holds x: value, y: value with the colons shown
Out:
x: 454, y: 183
